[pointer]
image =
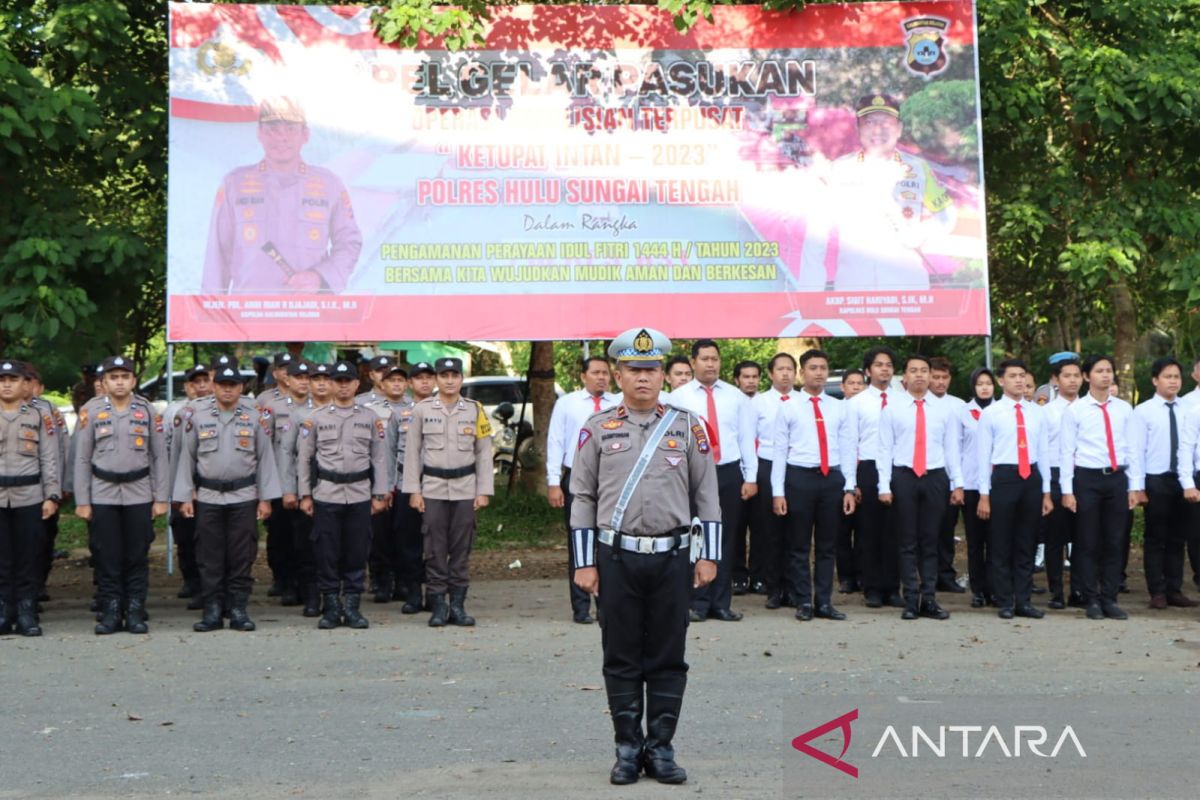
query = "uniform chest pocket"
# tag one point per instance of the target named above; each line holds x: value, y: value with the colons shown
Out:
x: 360, y: 443
x: 103, y: 438
x: 244, y: 441
x: 673, y: 444
x: 206, y: 441
x: 27, y: 442
x: 464, y: 435
x: 434, y: 434
x: 615, y: 447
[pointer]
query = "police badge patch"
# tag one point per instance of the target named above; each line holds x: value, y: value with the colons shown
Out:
x: 584, y: 435
x: 925, y: 53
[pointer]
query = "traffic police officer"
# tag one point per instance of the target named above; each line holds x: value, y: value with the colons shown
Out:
x: 229, y: 464
x: 342, y: 477
x: 29, y: 494
x: 448, y: 475
x: 642, y: 471
x: 120, y: 488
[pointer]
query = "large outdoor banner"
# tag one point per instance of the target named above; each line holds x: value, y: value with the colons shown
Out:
x: 587, y: 170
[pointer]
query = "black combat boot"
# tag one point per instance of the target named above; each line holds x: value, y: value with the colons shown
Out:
x: 135, y: 616
x: 353, y: 617
x: 412, y: 599
x: 212, y: 619
x: 7, y: 611
x: 187, y: 591
x: 110, y: 616
x: 458, y: 615
x: 333, y: 612
x: 664, y: 698
x: 27, y: 618
x: 625, y: 702
x: 441, y: 611
x: 291, y: 595
x: 277, y: 587
x: 312, y: 601
x: 239, y: 620
x: 383, y: 590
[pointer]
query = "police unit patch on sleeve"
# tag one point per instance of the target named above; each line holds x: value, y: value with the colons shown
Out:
x: 701, y: 438
x: 158, y: 423
x: 83, y: 418
x: 584, y: 435
x: 306, y: 428
x: 380, y: 428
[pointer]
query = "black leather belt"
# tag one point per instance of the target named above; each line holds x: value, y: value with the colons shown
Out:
x: 1100, y: 471
x: 121, y: 477
x: 13, y: 481
x: 448, y: 474
x: 225, y: 486
x: 343, y: 477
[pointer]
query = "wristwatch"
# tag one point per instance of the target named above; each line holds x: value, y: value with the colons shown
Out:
x: 55, y: 498
x: 380, y: 496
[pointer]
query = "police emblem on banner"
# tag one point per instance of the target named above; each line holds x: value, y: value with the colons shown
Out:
x: 925, y: 52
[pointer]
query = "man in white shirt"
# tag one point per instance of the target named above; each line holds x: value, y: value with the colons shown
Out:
x: 731, y: 423
x: 1094, y: 465
x: 767, y: 544
x: 919, y: 465
x: 1058, y: 529
x: 570, y: 412
x: 747, y: 576
x: 813, y: 439
x: 1190, y: 402
x: 849, y: 544
x: 940, y: 375
x: 880, y: 556
x: 1154, y: 471
x: 679, y: 372
x: 1192, y: 399
x: 1011, y: 448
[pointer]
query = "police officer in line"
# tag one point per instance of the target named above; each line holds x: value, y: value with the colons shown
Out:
x: 30, y: 493
x: 197, y: 385
x: 448, y: 475
x: 33, y: 390
x: 342, y: 477
x: 121, y: 484
x: 645, y: 496
x: 276, y: 410
x: 384, y: 560
x: 408, y: 522
x: 377, y: 367
x: 316, y: 376
x: 228, y: 466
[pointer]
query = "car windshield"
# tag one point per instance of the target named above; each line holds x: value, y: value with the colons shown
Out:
x: 493, y: 394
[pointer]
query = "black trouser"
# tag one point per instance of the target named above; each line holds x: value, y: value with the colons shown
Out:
x: 1166, y: 534
x: 183, y: 531
x: 280, y: 556
x: 410, y: 542
x: 946, y: 572
x: 449, y: 533
x: 384, y: 555
x: 769, y: 534
x: 917, y: 505
x: 341, y: 541
x: 849, y: 549
x: 881, y: 555
x: 643, y: 612
x: 977, y: 545
x: 719, y: 594
x: 1102, y: 503
x: 21, y: 534
x: 1016, y: 506
x: 46, y: 550
x: 226, y: 546
x: 581, y: 602
x: 121, y: 537
x: 814, y: 503
x: 1057, y: 532
x: 747, y: 565
x: 305, y: 564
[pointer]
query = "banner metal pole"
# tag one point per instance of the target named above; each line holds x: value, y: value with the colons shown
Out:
x: 170, y: 399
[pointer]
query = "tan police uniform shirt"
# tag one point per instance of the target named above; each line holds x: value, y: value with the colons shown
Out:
x: 28, y: 447
x: 346, y: 441
x: 448, y: 437
x: 221, y: 446
x: 120, y: 442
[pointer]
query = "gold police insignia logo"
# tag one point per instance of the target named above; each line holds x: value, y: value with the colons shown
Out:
x: 925, y: 53
x: 643, y: 342
x: 218, y: 58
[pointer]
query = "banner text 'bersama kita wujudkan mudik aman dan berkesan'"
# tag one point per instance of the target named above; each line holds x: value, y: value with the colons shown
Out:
x: 587, y: 169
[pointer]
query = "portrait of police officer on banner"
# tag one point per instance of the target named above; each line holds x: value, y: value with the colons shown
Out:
x: 281, y: 225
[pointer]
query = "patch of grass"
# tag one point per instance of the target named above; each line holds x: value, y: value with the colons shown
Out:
x: 521, y: 519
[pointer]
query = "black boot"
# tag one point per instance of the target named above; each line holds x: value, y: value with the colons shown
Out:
x: 110, y: 616
x: 412, y: 599
x: 441, y: 611
x: 458, y: 615
x: 625, y: 702
x: 187, y: 591
x: 333, y: 612
x: 353, y: 617
x: 7, y: 612
x: 383, y: 590
x: 664, y: 698
x: 239, y: 620
x: 212, y: 619
x: 27, y: 618
x: 277, y: 587
x: 135, y: 616
x: 312, y: 601
x: 291, y: 595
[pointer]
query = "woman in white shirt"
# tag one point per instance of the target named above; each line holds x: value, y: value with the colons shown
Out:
x: 983, y: 390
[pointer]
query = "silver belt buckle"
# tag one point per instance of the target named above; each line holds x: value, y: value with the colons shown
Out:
x: 645, y: 544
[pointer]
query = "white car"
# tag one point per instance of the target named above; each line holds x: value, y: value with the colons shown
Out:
x: 492, y: 390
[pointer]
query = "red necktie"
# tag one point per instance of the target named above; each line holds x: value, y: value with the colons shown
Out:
x: 884, y: 403
x: 822, y: 442
x: 975, y: 414
x: 1112, y: 448
x: 714, y: 432
x: 596, y: 402
x: 918, y: 459
x: 1022, y: 446
x: 783, y: 398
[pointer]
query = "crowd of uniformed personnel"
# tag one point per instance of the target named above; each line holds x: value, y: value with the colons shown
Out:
x: 391, y: 476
